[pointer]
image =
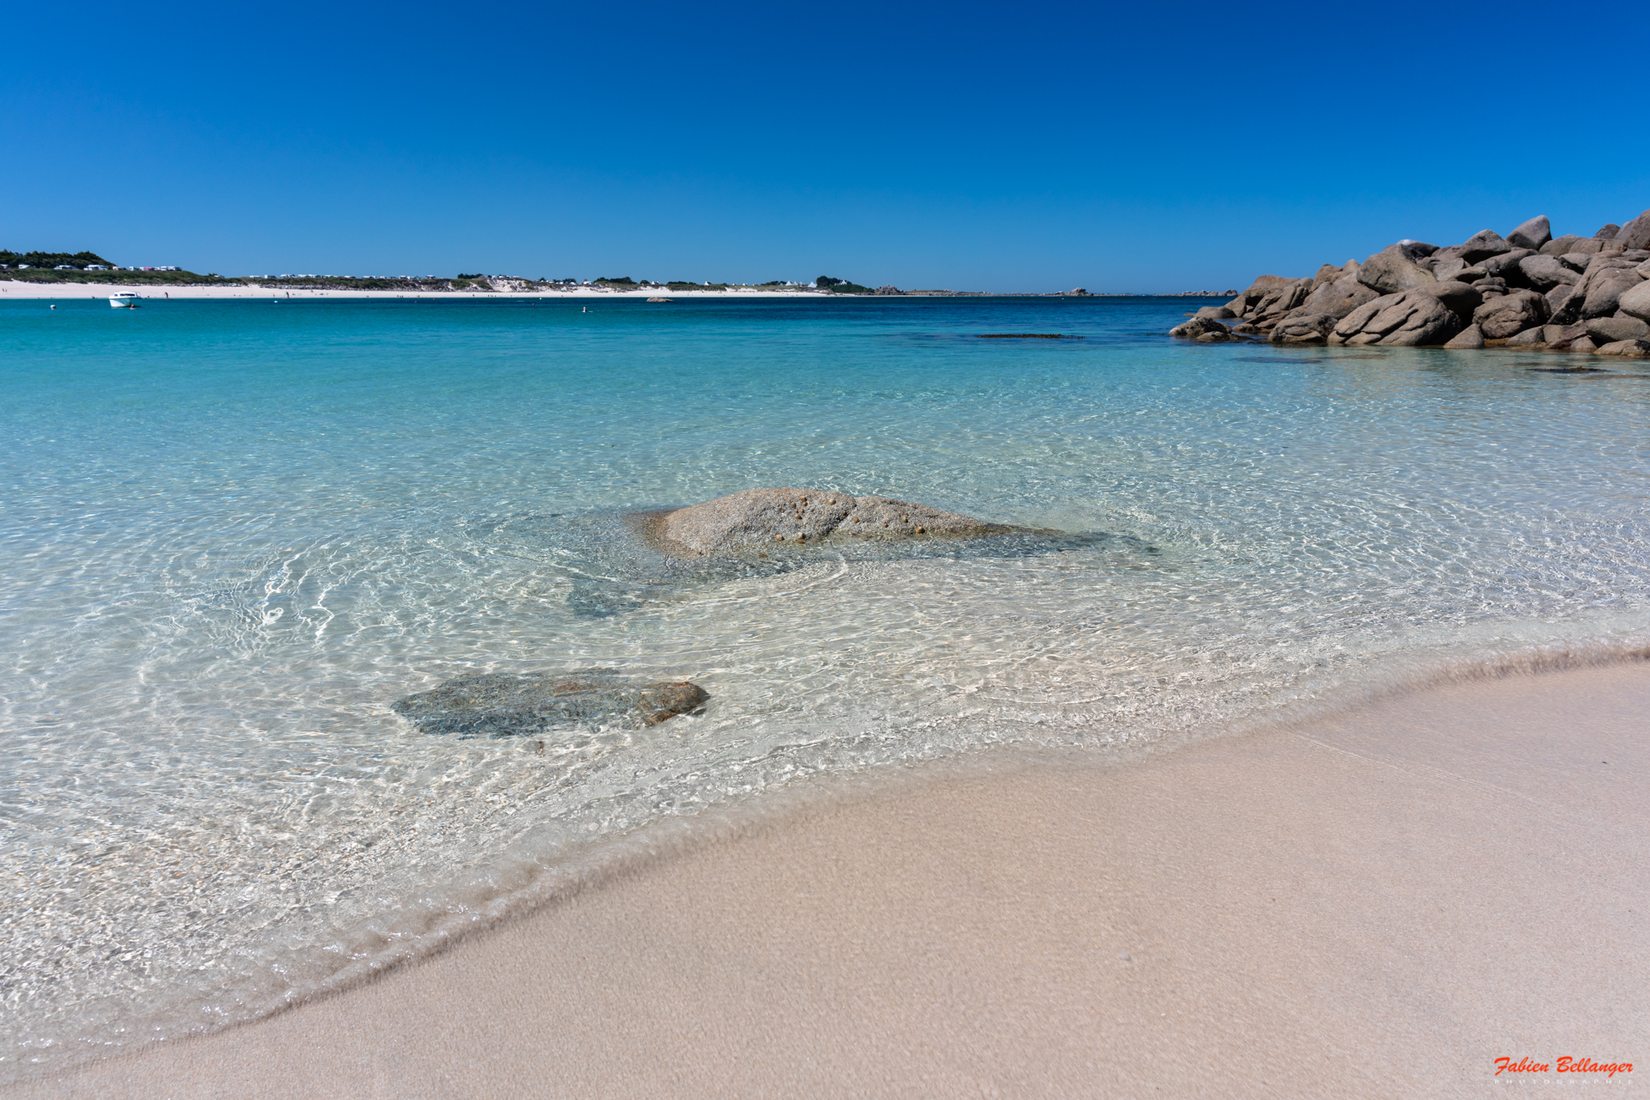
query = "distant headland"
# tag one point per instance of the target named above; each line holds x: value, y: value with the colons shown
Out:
x: 86, y: 274
x: 1528, y: 289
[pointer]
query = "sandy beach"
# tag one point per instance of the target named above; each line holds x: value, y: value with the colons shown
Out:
x: 1379, y: 905
x: 17, y: 290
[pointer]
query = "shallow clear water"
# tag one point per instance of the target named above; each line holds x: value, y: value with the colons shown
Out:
x: 232, y: 533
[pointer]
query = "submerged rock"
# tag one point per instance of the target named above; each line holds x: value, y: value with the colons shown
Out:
x: 606, y: 563
x: 756, y: 519
x: 501, y: 704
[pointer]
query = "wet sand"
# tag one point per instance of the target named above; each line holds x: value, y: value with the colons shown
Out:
x: 1377, y: 905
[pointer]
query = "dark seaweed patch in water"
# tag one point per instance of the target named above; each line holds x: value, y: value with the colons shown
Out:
x: 1027, y: 336
x: 1567, y: 370
x: 609, y: 569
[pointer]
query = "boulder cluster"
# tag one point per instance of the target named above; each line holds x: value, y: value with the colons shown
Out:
x: 1528, y: 289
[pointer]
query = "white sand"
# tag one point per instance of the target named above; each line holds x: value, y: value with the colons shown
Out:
x: 1375, y: 906
x: 14, y: 289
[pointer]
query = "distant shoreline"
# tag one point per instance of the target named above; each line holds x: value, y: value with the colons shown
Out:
x: 19, y: 290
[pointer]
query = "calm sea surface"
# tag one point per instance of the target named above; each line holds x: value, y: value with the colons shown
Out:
x: 233, y: 533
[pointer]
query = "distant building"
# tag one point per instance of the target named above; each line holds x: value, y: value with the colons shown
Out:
x: 96, y: 267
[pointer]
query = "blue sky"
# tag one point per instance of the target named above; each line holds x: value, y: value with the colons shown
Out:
x: 996, y: 146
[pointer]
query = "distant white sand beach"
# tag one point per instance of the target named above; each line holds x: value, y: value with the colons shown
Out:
x: 19, y: 290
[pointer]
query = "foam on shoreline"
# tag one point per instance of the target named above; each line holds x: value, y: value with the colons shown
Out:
x: 533, y: 893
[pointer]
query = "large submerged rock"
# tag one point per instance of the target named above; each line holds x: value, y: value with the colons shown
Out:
x: 501, y: 704
x: 756, y: 519
x: 608, y: 563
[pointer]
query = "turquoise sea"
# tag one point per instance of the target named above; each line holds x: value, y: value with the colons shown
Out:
x: 233, y: 533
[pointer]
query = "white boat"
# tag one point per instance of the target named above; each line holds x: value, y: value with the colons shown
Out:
x: 124, y: 300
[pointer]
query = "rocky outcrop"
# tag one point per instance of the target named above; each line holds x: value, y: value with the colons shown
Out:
x: 1635, y: 234
x: 1626, y: 349
x: 1533, y: 233
x: 1598, y: 292
x: 1339, y: 296
x: 1411, y: 319
x: 1468, y: 339
x: 1206, y: 330
x: 1482, y: 245
x: 755, y: 519
x: 1392, y: 270
x: 1609, y: 330
x: 1543, y: 273
x: 1635, y: 301
x: 1304, y: 327
x: 1506, y: 315
x: 499, y: 704
x: 1528, y: 289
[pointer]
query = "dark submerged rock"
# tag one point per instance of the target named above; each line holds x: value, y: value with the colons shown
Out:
x: 499, y: 704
